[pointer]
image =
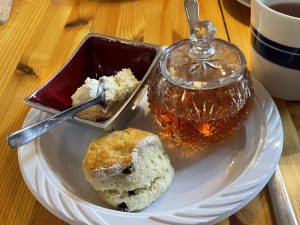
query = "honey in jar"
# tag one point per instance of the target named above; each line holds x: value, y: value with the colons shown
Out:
x: 201, y: 91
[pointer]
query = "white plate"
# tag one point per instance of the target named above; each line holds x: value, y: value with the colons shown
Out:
x: 245, y: 2
x: 210, y: 183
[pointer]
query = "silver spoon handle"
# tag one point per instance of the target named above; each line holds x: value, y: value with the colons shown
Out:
x: 29, y: 133
x: 192, y: 13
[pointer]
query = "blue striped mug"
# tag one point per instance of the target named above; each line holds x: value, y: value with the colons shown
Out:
x: 275, y: 49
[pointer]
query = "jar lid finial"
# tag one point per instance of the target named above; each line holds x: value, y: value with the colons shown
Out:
x: 201, y: 32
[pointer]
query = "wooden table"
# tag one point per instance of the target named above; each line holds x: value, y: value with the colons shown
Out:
x: 42, y: 34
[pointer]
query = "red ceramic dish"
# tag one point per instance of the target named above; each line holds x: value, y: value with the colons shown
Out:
x: 97, y: 55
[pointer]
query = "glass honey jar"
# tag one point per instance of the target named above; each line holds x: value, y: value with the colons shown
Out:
x: 201, y: 91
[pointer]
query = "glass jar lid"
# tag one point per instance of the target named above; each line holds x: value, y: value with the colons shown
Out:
x: 202, y: 62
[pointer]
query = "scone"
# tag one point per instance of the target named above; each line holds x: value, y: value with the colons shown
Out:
x: 117, y: 89
x: 129, y: 168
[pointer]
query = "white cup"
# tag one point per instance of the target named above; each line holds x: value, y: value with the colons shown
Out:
x: 275, y: 49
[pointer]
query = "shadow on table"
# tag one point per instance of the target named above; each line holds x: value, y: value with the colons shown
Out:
x: 237, y: 10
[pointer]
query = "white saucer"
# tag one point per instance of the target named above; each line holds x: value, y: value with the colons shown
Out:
x: 210, y: 183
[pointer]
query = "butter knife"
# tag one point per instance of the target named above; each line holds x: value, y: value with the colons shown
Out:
x: 5, y: 8
x: 283, y: 210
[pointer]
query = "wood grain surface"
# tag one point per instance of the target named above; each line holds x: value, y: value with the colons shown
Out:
x: 42, y: 34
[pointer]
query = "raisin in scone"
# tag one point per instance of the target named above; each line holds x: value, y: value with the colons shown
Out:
x: 129, y: 168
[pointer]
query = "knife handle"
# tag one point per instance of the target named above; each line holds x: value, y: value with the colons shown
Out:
x: 283, y: 210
